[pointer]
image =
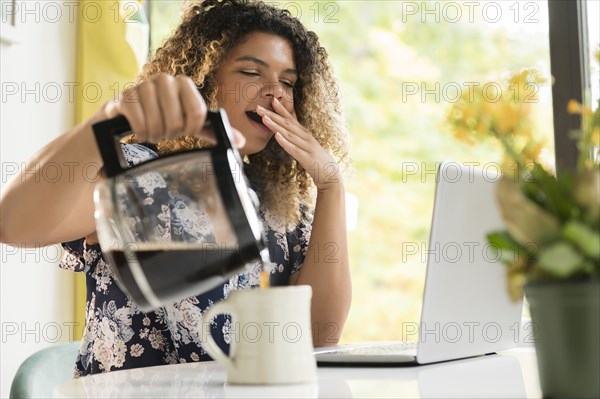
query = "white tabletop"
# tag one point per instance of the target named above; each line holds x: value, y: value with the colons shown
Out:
x: 509, y: 374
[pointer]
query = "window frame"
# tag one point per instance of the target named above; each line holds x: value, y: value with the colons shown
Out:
x: 570, y: 68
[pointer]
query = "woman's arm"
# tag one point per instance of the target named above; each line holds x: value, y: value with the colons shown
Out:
x: 326, y: 268
x: 37, y: 212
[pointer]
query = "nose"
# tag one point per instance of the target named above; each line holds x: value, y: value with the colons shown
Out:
x: 272, y: 90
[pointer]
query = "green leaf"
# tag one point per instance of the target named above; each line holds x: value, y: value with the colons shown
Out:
x: 509, y: 249
x: 586, y: 194
x: 525, y: 220
x: 502, y: 240
x: 560, y: 259
x: 506, y: 247
x: 583, y: 237
x: 552, y: 194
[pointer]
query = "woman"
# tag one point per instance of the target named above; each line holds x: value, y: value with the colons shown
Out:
x: 272, y: 78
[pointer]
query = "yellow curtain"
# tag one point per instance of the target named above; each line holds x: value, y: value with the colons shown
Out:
x: 112, y: 45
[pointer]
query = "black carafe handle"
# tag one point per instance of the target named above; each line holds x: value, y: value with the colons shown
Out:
x: 109, y: 133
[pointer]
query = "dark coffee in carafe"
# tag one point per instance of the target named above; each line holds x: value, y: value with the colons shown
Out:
x: 177, y: 270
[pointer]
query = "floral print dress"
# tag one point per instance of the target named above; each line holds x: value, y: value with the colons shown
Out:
x: 118, y: 335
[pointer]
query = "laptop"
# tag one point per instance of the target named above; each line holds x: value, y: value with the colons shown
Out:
x: 466, y: 307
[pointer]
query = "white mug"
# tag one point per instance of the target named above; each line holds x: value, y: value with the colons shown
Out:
x: 271, y: 340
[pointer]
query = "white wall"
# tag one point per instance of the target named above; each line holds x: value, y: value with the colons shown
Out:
x: 36, y: 298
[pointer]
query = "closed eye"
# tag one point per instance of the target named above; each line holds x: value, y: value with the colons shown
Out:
x: 255, y: 73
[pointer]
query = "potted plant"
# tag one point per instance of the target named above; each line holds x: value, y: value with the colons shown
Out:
x: 551, y: 241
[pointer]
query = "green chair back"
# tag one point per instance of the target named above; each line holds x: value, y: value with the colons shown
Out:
x: 41, y: 372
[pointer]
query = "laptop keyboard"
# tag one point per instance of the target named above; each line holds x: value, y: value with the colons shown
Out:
x: 400, y: 348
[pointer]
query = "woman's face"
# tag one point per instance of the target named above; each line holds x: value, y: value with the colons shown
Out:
x: 259, y: 68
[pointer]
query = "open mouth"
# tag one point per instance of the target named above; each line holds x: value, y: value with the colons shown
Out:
x: 255, y: 117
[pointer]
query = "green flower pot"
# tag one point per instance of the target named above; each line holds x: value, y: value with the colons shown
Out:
x: 566, y: 318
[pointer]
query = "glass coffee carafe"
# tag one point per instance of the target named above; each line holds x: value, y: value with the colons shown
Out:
x: 177, y: 225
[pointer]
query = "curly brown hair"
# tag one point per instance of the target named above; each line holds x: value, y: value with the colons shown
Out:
x: 209, y: 30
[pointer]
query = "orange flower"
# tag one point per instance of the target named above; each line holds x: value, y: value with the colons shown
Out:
x: 573, y: 107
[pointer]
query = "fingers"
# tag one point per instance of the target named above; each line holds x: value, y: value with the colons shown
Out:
x: 288, y: 135
x: 194, y: 108
x: 170, y: 107
x: 162, y: 107
x: 238, y: 138
x: 282, y: 124
x: 152, y: 113
x: 291, y: 148
x: 296, y: 137
x: 280, y: 109
x: 128, y: 105
x: 291, y: 142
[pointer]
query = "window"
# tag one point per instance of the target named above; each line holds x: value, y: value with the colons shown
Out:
x: 165, y: 15
x: 400, y: 72
x: 593, y: 26
x: 401, y: 65
x: 593, y: 33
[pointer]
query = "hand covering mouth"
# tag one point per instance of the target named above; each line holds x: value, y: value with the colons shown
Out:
x: 255, y: 117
